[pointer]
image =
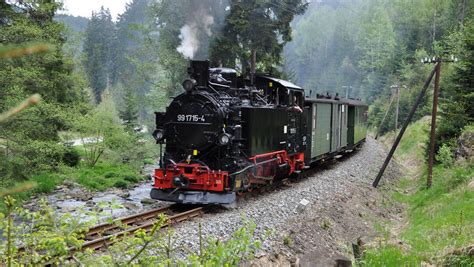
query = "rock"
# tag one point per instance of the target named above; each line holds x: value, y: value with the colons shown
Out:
x: 125, y: 195
x: 67, y: 209
x: 358, y: 248
x: 465, y: 147
x: 69, y: 184
x: 130, y: 206
x: 147, y: 201
x: 302, y: 205
x: 79, y: 194
x: 324, y: 258
x: 471, y: 184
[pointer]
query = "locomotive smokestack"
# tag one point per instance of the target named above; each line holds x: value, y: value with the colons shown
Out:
x: 199, y: 71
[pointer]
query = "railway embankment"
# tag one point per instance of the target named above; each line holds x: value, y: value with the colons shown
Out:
x: 342, y: 207
x: 437, y: 223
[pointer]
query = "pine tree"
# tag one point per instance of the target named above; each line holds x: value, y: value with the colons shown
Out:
x: 31, y: 139
x: 255, y: 31
x: 457, y: 99
x: 100, y: 50
x: 129, y: 112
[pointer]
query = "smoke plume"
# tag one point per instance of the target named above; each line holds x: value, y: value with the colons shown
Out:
x: 192, y: 32
x: 189, y: 42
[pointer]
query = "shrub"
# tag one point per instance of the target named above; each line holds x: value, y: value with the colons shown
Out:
x: 48, y: 239
x: 31, y: 156
x: 110, y: 175
x: 46, y: 182
x: 71, y: 157
x: 287, y: 241
x: 148, y: 161
x: 131, y: 178
x: 121, y: 184
x: 445, y: 155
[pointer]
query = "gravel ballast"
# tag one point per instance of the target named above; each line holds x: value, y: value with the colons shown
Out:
x: 343, y: 206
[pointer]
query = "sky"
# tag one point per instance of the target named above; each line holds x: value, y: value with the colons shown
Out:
x: 84, y: 8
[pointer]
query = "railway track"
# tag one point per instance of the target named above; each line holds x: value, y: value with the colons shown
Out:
x: 105, y: 234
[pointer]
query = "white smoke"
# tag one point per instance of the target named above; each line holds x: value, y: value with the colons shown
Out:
x: 189, y: 42
x: 189, y: 34
x: 207, y: 22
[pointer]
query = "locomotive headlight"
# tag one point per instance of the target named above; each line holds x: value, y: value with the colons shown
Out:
x: 158, y: 134
x: 223, y: 139
x: 189, y: 84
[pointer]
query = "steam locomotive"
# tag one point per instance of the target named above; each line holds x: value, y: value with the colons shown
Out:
x: 227, y: 134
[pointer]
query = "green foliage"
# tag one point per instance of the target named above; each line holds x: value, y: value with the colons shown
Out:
x: 41, y: 237
x: 44, y: 237
x: 255, y: 27
x: 440, y: 217
x: 29, y: 143
x: 121, y: 184
x: 46, y: 182
x: 158, y: 248
x: 240, y: 247
x: 412, y: 147
x: 129, y: 113
x: 71, y: 157
x: 103, y: 176
x: 440, y: 221
x: 143, y: 65
x: 99, y: 50
x: 445, y: 156
x: 76, y: 24
x: 287, y: 241
x: 110, y: 174
x: 373, y: 45
x: 102, y: 135
x: 325, y: 224
x: 462, y: 258
x: 131, y: 178
x: 389, y: 255
x: 457, y: 94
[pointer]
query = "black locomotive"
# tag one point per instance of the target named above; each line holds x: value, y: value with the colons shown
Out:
x: 227, y: 134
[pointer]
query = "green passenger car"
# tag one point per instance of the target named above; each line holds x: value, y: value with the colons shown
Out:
x: 334, y: 126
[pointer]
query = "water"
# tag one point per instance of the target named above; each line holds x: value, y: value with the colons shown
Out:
x: 111, y: 203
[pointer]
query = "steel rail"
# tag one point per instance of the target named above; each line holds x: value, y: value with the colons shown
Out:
x: 126, y: 221
x: 146, y: 225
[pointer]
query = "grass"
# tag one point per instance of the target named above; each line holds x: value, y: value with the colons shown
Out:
x: 106, y: 175
x: 411, y: 150
x: 43, y: 183
x: 441, y: 218
x: 389, y: 255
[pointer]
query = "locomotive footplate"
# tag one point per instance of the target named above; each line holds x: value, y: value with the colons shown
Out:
x: 193, y: 197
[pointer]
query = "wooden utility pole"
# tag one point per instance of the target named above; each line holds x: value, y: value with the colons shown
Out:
x: 253, y: 62
x: 347, y: 89
x: 402, y: 131
x: 384, y: 116
x: 396, y: 110
x: 253, y: 66
x: 434, y: 112
x: 436, y: 70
